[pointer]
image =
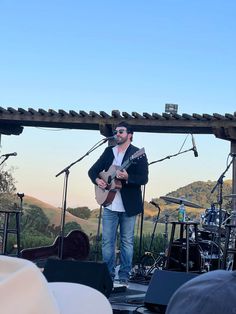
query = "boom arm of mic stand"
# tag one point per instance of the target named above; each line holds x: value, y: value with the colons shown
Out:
x: 6, y: 157
x: 220, y: 180
x: 81, y: 158
x: 170, y: 156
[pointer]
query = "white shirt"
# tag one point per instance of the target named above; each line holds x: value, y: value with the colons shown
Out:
x: 117, y: 204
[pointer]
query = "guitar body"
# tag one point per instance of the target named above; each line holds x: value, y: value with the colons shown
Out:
x: 75, y: 246
x: 106, y: 196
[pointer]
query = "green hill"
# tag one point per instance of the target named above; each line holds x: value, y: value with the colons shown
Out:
x: 197, y: 192
x: 54, y: 214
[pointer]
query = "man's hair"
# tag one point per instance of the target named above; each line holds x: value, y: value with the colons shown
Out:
x: 125, y: 125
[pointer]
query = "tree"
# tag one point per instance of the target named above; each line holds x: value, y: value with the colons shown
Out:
x: 81, y: 212
x: 7, y: 182
x: 72, y: 225
x: 34, y: 219
x: 7, y: 190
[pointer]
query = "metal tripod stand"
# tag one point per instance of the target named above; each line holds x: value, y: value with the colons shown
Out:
x: 148, y: 261
x: 229, y: 254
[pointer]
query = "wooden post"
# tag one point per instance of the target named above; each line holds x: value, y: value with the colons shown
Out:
x: 233, y: 151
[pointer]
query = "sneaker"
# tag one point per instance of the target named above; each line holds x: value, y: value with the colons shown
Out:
x: 124, y: 282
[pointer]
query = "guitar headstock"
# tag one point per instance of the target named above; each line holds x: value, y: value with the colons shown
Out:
x: 140, y: 153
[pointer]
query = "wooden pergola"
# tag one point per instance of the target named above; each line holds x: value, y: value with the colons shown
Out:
x: 13, y: 121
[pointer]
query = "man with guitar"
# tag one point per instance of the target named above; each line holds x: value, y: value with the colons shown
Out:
x: 118, y: 176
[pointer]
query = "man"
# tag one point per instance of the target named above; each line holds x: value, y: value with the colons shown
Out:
x: 127, y: 203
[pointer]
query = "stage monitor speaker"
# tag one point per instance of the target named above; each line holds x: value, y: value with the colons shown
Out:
x: 162, y: 286
x: 91, y: 274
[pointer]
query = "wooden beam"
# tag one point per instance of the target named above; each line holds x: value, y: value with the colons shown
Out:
x: 224, y: 133
x: 222, y: 126
x: 11, y: 130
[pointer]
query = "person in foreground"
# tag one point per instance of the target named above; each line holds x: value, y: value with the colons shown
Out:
x: 25, y: 290
x: 210, y: 293
x: 127, y: 202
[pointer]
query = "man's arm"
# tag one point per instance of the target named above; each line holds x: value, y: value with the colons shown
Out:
x: 101, y: 164
x: 138, y: 173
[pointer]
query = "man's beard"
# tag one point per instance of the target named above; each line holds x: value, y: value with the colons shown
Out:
x: 121, y: 141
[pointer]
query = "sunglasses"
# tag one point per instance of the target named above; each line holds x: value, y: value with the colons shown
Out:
x: 119, y: 131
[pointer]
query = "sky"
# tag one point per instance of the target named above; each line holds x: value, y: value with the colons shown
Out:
x: 115, y: 55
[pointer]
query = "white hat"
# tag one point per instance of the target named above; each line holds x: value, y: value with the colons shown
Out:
x: 24, y: 290
x: 210, y: 293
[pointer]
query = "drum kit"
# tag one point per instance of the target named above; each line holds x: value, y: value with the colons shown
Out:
x: 206, y: 251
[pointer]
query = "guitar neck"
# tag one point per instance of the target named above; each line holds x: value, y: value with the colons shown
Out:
x: 128, y: 162
x: 125, y: 165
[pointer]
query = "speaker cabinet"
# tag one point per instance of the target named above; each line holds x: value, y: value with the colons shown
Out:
x: 91, y: 274
x: 162, y: 286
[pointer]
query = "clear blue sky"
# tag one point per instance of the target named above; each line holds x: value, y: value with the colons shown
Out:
x: 115, y: 55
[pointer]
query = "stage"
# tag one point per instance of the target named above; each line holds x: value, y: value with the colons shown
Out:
x: 150, y: 296
x: 129, y: 300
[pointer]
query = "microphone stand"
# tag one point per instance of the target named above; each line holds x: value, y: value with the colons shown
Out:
x: 220, y: 202
x: 6, y: 157
x: 98, y: 234
x: 170, y: 156
x: 65, y: 188
x: 141, y: 235
x: 142, y: 214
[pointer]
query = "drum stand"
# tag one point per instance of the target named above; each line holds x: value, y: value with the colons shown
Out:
x: 230, y: 244
x: 183, y: 261
x: 159, y: 261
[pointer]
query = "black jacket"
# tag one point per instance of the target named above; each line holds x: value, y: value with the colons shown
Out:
x: 131, y: 193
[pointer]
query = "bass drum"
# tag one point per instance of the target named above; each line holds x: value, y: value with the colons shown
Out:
x: 211, y: 252
x: 177, y: 256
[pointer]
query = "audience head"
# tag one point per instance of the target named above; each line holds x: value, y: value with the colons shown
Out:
x: 210, y: 293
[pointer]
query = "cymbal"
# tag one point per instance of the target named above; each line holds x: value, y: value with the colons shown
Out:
x: 180, y: 201
x: 230, y: 195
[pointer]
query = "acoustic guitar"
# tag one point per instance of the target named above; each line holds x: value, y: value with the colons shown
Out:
x: 106, y: 196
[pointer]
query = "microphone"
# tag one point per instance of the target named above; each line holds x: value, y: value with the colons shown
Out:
x: 113, y: 137
x: 10, y: 154
x: 194, y: 147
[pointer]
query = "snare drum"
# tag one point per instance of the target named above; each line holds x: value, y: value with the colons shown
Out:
x: 205, y: 235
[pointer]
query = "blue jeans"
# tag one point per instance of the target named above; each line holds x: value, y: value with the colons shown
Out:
x: 110, y: 222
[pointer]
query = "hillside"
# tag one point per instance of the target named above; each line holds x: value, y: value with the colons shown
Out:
x: 197, y: 192
x: 54, y: 214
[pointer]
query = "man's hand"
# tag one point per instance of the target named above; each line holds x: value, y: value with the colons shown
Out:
x: 101, y: 183
x: 122, y: 175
